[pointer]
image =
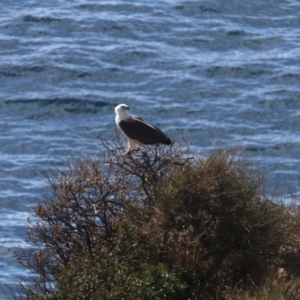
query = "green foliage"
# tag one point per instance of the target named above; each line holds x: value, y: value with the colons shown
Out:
x: 100, y: 278
x: 214, y: 206
x: 159, y: 224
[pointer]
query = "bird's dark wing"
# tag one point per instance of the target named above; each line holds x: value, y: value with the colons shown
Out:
x: 138, y: 129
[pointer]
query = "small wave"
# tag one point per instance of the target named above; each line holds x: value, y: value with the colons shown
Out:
x: 236, y: 71
x: 98, y: 6
x: 261, y: 42
x: 290, y: 77
x: 236, y: 32
x: 27, y: 70
x: 140, y: 8
x: 194, y: 8
x: 67, y: 102
x: 36, y: 19
x: 16, y: 71
x: 140, y: 54
x: 282, y: 103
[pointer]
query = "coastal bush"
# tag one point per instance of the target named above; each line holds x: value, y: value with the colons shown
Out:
x: 159, y: 223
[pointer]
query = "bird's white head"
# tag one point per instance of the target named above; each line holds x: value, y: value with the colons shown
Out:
x: 122, y: 112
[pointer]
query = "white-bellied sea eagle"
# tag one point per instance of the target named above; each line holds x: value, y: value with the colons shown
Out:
x: 138, y: 131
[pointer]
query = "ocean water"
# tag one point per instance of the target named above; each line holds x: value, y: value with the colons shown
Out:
x: 224, y: 72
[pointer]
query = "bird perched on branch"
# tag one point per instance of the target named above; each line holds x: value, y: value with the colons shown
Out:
x: 138, y: 131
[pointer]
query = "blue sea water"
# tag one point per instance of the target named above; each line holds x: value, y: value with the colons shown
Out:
x: 224, y: 72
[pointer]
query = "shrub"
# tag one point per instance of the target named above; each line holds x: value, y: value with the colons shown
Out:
x: 156, y: 224
x: 110, y: 278
x: 222, y: 231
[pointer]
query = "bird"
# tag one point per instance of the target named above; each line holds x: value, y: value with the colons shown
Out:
x: 138, y: 131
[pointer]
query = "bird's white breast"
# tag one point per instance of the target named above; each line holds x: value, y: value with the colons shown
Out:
x: 121, y: 115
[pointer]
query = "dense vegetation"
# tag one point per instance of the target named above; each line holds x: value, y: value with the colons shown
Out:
x: 161, y: 224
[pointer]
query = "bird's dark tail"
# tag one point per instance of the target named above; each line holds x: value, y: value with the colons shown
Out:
x: 168, y: 141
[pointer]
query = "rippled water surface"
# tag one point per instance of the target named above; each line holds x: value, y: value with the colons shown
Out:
x: 223, y: 71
